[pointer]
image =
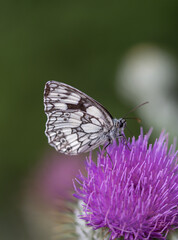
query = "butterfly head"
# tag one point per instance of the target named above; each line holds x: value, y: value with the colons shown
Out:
x: 120, y: 124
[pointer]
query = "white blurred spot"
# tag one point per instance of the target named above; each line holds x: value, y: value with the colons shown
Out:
x: 150, y: 74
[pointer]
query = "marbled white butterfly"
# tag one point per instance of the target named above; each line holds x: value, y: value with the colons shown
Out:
x: 77, y: 123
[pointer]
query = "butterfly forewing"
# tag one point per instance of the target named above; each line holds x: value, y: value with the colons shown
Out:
x: 75, y: 122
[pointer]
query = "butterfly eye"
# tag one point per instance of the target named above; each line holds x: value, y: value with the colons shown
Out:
x: 121, y: 124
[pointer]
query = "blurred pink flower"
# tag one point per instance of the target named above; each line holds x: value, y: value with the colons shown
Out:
x: 52, y: 178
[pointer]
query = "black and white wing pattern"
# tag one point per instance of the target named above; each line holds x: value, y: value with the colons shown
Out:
x: 76, y: 123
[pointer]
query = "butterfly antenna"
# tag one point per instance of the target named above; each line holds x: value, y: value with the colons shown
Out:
x: 133, y: 109
x: 135, y: 118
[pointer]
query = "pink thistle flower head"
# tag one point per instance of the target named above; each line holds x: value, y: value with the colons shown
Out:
x: 136, y: 195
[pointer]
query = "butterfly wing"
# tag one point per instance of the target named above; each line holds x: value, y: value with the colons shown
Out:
x: 76, y: 123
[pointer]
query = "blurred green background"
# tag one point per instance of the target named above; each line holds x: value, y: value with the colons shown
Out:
x: 77, y: 42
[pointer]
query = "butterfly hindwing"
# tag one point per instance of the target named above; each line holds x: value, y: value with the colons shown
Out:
x: 76, y: 122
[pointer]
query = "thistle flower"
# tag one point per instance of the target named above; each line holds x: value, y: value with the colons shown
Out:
x: 132, y: 192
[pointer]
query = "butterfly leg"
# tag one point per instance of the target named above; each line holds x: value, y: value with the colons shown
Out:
x: 109, y: 142
x: 123, y: 139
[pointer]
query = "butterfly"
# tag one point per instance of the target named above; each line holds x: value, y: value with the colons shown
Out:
x: 77, y: 123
